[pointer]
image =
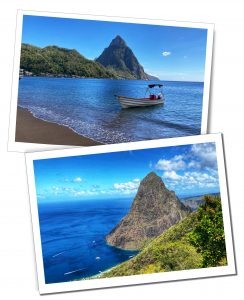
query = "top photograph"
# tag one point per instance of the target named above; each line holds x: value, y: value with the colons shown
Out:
x: 86, y: 80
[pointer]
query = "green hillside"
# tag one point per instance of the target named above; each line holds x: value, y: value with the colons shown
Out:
x: 56, y: 61
x: 195, y: 242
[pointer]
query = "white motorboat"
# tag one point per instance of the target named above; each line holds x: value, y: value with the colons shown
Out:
x: 155, y: 97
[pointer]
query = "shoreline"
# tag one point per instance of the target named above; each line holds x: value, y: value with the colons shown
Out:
x: 80, y: 77
x: 101, y: 273
x: 30, y: 129
x: 98, y: 275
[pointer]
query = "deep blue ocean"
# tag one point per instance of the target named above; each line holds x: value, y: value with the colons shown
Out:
x: 88, y: 106
x: 73, y: 237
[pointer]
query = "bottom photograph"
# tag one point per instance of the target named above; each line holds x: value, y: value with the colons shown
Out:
x: 130, y: 213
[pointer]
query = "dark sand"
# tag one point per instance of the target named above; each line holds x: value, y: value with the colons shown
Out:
x: 32, y: 130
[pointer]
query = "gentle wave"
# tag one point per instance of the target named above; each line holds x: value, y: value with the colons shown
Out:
x: 55, y: 255
x: 97, y: 133
x: 173, y: 125
x: 88, y: 130
x: 75, y: 271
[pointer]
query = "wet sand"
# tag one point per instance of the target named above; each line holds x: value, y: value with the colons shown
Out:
x: 33, y: 130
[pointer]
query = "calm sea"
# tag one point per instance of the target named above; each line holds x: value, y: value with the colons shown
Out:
x: 88, y: 106
x: 73, y: 238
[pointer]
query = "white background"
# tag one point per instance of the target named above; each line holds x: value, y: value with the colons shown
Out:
x: 17, y: 260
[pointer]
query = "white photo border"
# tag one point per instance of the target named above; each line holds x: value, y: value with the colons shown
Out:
x: 27, y: 147
x: 230, y: 269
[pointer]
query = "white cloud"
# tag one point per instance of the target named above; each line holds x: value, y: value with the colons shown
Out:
x: 205, y: 155
x: 55, y: 188
x: 73, y: 191
x: 81, y: 192
x: 78, y: 193
x: 77, y: 179
x: 194, y: 164
x: 136, y: 180
x: 196, y: 169
x: 191, y: 180
x: 202, y: 157
x: 127, y: 187
x: 166, y: 53
x: 130, y: 185
x: 171, y: 175
x: 174, y: 164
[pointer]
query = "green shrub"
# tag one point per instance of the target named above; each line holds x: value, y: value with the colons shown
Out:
x: 178, y: 255
x: 208, y: 236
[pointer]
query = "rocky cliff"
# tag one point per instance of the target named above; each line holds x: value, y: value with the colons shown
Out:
x: 154, y: 209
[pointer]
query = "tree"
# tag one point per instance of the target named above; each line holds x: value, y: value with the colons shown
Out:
x: 208, y: 236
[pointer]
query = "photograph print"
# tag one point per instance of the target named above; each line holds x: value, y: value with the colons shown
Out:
x: 157, y: 210
x: 89, y: 82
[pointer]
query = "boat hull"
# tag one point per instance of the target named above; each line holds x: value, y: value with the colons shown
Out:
x: 138, y: 102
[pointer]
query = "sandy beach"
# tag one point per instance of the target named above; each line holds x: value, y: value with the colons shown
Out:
x: 33, y: 130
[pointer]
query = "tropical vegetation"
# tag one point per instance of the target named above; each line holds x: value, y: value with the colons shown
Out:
x: 56, y: 61
x: 198, y: 241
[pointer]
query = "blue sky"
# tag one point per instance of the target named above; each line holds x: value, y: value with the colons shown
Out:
x: 171, y: 53
x: 188, y: 170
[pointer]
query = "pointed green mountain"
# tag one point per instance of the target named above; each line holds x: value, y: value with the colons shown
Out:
x: 119, y: 58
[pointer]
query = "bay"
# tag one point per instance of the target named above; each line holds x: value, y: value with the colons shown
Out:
x: 73, y: 238
x: 89, y: 107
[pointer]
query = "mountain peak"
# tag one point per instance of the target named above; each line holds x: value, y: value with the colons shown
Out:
x: 152, y: 176
x: 154, y: 209
x: 118, y: 42
x: 151, y: 182
x: 120, y: 58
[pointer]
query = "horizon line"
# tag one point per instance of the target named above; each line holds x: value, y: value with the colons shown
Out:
x: 181, y: 197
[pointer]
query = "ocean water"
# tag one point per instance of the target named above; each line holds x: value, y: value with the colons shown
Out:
x: 88, y: 106
x: 73, y: 238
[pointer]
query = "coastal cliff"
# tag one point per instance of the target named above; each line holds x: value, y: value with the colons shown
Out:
x: 197, y: 241
x: 154, y: 209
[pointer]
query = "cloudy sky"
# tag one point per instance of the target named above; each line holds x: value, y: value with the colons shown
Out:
x: 168, y: 52
x: 188, y: 170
